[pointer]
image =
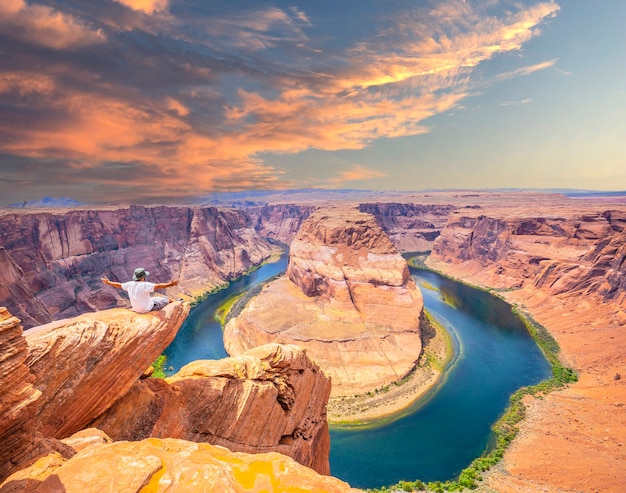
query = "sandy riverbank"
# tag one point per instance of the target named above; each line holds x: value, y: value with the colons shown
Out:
x: 392, y: 399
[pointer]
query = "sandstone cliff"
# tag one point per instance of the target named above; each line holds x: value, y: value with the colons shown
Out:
x: 18, y: 399
x: 574, y: 251
x: 62, y: 377
x: 165, y: 465
x: 563, y: 263
x: 83, y: 365
x: 279, y: 222
x: 412, y: 227
x: 272, y: 398
x: 51, y: 263
x: 348, y: 298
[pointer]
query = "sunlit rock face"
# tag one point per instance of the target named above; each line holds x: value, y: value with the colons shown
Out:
x: 83, y: 365
x: 51, y: 262
x: 272, y: 398
x: 164, y: 465
x: 564, y: 251
x: 562, y: 262
x: 68, y: 375
x: 347, y: 297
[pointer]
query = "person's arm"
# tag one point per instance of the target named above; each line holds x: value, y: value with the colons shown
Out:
x: 164, y: 285
x: 105, y: 280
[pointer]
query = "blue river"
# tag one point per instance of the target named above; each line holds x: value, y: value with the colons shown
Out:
x: 441, y: 435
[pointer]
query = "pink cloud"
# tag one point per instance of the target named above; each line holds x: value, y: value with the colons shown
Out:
x: 356, y: 173
x: 386, y: 87
x: 42, y: 25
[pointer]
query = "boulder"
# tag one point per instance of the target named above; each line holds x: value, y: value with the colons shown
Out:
x: 272, y: 398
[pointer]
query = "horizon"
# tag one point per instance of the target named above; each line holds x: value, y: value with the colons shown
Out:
x: 156, y: 101
x: 249, y: 196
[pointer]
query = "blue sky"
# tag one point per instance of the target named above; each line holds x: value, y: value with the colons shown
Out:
x: 168, y: 100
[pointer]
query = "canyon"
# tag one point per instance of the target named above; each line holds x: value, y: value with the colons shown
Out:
x: 347, y: 297
x: 563, y: 264
x: 51, y: 262
x: 559, y: 260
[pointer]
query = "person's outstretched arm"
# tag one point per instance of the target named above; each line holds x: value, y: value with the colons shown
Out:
x: 105, y: 280
x: 163, y: 285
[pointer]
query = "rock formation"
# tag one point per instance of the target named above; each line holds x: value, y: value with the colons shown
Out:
x: 62, y: 377
x: 574, y: 251
x: 272, y: 398
x: 348, y: 298
x: 51, y: 263
x: 412, y: 227
x: 279, y: 222
x: 163, y: 465
x: 563, y: 263
x: 83, y: 365
x: 18, y: 399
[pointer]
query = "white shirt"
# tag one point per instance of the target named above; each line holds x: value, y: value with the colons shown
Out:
x: 139, y: 294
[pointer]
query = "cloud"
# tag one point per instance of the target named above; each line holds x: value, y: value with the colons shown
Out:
x: 516, y: 103
x: 192, y: 103
x: 45, y: 26
x: 146, y: 6
x: 356, y: 173
x: 523, y: 71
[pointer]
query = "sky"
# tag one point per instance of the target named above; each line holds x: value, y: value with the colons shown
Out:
x: 162, y: 101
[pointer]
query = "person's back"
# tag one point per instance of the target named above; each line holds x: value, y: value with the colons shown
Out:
x: 139, y: 291
x: 139, y: 295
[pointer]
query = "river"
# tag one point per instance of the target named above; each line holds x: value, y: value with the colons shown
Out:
x: 494, y: 356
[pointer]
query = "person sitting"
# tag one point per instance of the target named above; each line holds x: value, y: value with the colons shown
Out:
x: 139, y: 291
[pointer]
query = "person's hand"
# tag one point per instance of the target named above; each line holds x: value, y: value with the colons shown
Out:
x: 105, y: 279
x: 173, y: 282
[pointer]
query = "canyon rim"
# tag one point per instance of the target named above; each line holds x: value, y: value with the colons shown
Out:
x: 557, y: 259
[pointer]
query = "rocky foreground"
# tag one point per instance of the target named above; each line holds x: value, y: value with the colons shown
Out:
x: 564, y: 264
x: 77, y: 414
x: 348, y: 298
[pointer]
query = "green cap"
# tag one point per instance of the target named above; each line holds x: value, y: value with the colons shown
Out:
x: 139, y: 273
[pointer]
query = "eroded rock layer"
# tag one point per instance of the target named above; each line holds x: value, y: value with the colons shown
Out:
x: 164, y: 465
x: 51, y: 263
x: 348, y: 298
x: 564, y: 263
x: 18, y: 398
x: 83, y: 365
x: 412, y: 227
x: 280, y: 222
x: 272, y: 398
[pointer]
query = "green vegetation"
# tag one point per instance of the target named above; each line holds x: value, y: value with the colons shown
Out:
x: 159, y: 367
x: 203, y: 297
x: 417, y: 259
x: 506, y: 428
x: 436, y: 360
x: 222, y: 312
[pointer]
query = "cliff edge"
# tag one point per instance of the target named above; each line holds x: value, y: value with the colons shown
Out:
x: 64, y: 377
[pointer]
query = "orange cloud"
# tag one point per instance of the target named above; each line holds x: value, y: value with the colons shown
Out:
x: 42, y: 25
x: 146, y: 6
x: 387, y: 87
x: 356, y: 173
